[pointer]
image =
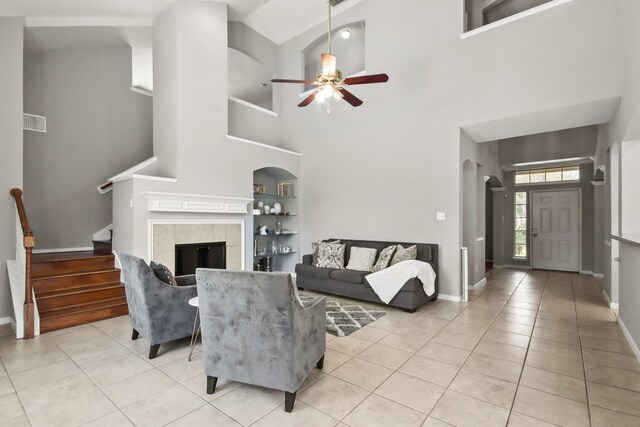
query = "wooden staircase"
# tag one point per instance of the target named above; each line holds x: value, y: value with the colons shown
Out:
x: 73, y: 288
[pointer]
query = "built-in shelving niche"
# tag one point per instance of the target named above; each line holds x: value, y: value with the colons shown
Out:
x: 282, y: 229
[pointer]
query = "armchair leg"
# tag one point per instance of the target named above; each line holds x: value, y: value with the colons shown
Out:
x: 134, y: 335
x: 289, y: 401
x: 211, y: 384
x: 320, y: 364
x: 153, y: 351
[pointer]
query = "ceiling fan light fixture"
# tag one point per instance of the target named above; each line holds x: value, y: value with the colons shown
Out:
x: 328, y: 64
x: 330, y: 82
x: 325, y: 92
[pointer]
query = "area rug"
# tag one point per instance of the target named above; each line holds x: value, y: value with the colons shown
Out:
x: 343, y: 319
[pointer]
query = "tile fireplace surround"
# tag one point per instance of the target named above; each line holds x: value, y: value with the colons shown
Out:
x: 166, y: 235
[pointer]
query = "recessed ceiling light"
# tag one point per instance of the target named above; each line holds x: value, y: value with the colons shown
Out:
x: 345, y: 34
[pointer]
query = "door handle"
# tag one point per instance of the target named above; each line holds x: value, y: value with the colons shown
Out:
x: 534, y: 232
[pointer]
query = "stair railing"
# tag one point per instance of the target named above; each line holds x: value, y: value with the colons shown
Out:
x: 26, y: 239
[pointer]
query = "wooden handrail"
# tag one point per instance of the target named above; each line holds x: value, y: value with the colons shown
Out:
x: 29, y: 242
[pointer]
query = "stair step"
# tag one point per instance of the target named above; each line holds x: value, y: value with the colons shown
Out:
x: 83, y: 307
x: 73, y: 319
x: 93, y: 294
x: 43, y: 267
x: 75, y: 280
x: 102, y: 247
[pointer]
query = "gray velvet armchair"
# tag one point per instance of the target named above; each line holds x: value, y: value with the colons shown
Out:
x: 256, y: 331
x: 158, y: 311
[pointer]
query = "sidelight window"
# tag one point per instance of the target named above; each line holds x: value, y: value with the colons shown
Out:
x: 520, y: 221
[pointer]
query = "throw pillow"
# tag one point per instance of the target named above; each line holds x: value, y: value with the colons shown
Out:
x: 314, y: 247
x: 163, y: 273
x: 385, y: 258
x: 331, y: 255
x: 403, y: 254
x: 361, y: 259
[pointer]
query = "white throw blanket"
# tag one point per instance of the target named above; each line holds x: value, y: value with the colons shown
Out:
x: 388, y: 282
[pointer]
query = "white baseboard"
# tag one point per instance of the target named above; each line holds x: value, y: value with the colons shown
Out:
x: 629, y: 338
x: 5, y: 320
x: 446, y: 297
x: 497, y: 266
x: 598, y: 275
x: 612, y: 305
x: 42, y: 251
x: 587, y: 272
x: 481, y: 283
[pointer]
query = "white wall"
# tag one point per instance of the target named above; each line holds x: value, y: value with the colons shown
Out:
x: 96, y: 127
x: 630, y: 178
x: 621, y: 280
x: 190, y: 127
x: 11, y: 41
x: 383, y: 170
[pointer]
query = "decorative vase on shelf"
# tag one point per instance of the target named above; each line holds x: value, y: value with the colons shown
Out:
x: 277, y: 208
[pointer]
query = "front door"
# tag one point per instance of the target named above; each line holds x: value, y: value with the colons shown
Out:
x: 555, y: 230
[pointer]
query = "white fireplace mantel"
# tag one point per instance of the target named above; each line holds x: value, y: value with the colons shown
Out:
x: 179, y: 202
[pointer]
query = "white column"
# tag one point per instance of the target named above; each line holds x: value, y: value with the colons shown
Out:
x: 190, y: 88
x: 11, y: 110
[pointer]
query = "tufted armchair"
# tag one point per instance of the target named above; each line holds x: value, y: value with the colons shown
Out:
x: 158, y: 311
x: 256, y: 331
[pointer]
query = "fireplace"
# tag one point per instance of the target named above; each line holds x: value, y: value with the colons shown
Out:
x: 168, y: 237
x: 190, y: 256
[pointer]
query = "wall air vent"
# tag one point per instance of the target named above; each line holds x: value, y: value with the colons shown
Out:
x: 35, y: 123
x: 336, y: 2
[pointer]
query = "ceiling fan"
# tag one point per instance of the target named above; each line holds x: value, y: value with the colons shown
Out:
x: 330, y: 83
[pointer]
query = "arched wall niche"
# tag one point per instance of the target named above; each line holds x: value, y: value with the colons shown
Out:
x: 278, y: 246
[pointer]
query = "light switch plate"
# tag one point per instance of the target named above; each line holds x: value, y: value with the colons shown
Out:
x: 441, y: 216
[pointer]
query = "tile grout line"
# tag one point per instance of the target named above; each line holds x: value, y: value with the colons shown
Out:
x: 471, y: 351
x: 94, y: 383
x: 526, y: 354
x: 371, y: 393
x: 584, y: 368
x: 24, y: 411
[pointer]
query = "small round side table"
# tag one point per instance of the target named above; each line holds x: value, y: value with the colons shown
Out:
x: 196, y: 326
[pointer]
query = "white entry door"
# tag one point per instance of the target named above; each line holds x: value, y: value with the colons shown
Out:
x: 555, y: 230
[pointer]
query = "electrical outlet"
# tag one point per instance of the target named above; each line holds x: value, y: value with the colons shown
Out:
x: 477, y: 268
x: 441, y: 216
x: 130, y: 203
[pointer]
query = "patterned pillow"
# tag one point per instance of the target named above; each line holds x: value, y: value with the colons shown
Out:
x: 163, y: 273
x: 361, y: 259
x: 403, y: 254
x: 331, y: 255
x: 385, y: 258
x: 314, y: 247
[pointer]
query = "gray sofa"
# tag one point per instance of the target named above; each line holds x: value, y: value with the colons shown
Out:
x: 158, y: 311
x: 256, y: 331
x: 353, y: 284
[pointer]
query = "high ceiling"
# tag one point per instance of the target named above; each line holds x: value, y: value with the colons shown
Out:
x: 279, y: 20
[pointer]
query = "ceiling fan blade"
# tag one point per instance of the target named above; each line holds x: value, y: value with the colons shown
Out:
x: 308, y: 92
x: 363, y: 80
x: 350, y: 98
x: 308, y: 100
x: 306, y: 82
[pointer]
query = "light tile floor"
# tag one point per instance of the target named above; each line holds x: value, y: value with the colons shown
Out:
x: 530, y: 349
